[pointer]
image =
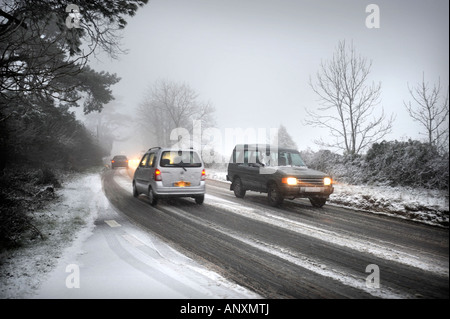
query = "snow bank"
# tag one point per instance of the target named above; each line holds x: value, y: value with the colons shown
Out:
x: 65, y: 224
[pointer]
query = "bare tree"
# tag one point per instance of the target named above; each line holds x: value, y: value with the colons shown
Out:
x: 348, y: 102
x: 431, y: 111
x: 169, y: 105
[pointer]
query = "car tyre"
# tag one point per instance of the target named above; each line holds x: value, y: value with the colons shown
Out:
x: 135, y: 192
x: 200, y: 199
x: 317, y: 201
x: 274, y: 195
x: 239, y: 190
x: 152, y: 197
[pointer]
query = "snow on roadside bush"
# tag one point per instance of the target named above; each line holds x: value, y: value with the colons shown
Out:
x: 423, y: 205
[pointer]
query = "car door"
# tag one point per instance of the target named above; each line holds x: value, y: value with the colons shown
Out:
x: 260, y: 175
x: 249, y: 170
x: 140, y: 175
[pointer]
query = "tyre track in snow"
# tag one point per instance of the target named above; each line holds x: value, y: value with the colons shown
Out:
x: 263, y: 254
x: 410, y: 243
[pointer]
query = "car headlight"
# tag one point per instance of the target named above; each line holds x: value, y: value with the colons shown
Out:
x: 289, y: 180
x: 327, y: 181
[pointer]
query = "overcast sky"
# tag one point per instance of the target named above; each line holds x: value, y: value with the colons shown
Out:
x: 252, y: 59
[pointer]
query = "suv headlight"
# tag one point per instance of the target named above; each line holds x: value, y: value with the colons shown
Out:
x: 289, y: 180
x: 327, y: 181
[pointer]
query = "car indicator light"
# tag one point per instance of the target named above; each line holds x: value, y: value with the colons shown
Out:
x: 158, y: 176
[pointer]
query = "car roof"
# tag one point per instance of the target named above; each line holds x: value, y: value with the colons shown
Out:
x: 165, y: 149
x: 265, y: 146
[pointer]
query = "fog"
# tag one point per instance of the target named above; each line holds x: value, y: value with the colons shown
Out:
x: 253, y: 59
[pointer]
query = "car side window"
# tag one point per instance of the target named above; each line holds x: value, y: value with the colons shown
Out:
x: 245, y: 157
x: 251, y: 157
x: 144, y: 161
x: 151, y: 160
x: 239, y: 156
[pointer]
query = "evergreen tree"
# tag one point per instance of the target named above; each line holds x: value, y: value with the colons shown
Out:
x: 284, y: 139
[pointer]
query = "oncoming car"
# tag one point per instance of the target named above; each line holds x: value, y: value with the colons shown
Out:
x: 279, y: 172
x: 119, y: 161
x: 165, y: 172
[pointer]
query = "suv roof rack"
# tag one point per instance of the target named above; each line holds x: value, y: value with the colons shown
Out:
x: 151, y: 148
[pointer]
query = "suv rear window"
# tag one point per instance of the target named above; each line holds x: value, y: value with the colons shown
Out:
x: 180, y: 159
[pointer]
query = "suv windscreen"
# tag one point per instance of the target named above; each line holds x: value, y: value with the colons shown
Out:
x: 180, y: 159
x: 282, y: 158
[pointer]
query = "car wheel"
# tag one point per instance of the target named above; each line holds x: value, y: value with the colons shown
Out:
x: 239, y: 190
x: 274, y: 195
x: 317, y: 201
x: 152, y: 197
x: 135, y: 192
x: 200, y: 199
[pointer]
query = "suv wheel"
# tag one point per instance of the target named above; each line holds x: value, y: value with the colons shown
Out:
x: 239, y: 190
x: 199, y: 199
x: 152, y: 197
x: 274, y: 195
x: 317, y: 201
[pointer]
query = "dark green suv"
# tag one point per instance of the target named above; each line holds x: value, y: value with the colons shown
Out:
x: 279, y: 172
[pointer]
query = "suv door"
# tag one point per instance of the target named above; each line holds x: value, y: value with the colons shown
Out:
x: 247, y: 170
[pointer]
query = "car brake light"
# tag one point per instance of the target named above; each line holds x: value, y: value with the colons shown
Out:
x: 158, y: 176
x: 203, y: 175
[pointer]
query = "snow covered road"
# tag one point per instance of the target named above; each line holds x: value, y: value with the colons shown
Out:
x: 117, y: 259
x: 296, y: 251
x: 225, y: 248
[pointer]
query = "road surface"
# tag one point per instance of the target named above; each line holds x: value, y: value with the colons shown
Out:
x: 296, y: 251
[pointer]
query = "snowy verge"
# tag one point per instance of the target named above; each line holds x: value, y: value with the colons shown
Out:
x: 36, y: 270
x: 65, y: 224
x: 421, y: 205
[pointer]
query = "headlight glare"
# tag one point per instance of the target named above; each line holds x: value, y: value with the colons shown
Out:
x: 291, y: 181
x: 327, y: 181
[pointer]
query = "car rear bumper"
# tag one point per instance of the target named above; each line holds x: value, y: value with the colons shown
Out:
x: 188, y: 191
x: 119, y: 164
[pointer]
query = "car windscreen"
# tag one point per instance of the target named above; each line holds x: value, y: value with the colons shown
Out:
x: 294, y: 159
x: 180, y: 159
x: 281, y: 158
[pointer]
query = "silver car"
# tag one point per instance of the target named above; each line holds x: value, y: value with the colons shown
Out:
x: 165, y: 172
